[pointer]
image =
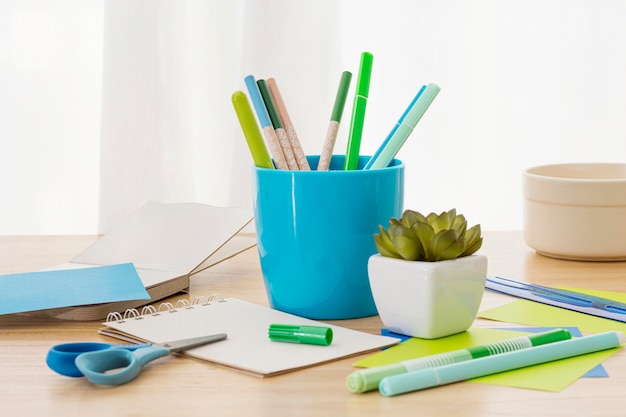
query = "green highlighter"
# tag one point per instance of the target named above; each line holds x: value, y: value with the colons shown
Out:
x: 368, y: 379
x: 251, y: 131
x: 358, y: 112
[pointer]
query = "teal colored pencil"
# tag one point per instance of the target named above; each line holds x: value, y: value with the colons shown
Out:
x: 358, y: 111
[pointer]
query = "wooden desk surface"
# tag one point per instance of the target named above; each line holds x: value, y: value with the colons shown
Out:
x: 181, y: 386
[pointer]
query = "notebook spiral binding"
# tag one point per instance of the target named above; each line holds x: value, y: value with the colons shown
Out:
x: 167, y: 307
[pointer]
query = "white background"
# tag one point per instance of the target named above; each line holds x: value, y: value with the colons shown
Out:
x: 105, y: 105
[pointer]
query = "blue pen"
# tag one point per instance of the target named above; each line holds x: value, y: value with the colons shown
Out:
x: 406, y: 127
x: 369, y: 163
x: 269, y: 133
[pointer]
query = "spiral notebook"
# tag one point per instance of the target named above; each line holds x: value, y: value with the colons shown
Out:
x: 247, y: 348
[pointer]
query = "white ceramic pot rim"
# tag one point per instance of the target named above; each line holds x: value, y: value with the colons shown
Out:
x: 427, y: 264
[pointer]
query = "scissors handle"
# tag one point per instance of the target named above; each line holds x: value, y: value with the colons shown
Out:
x: 117, y: 366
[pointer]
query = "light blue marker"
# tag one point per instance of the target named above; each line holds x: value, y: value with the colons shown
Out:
x: 447, y: 374
x: 369, y: 163
x: 406, y: 127
x: 257, y: 101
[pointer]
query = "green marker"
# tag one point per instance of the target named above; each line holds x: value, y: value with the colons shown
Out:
x: 368, y: 379
x: 260, y: 155
x: 293, y: 333
x: 358, y: 112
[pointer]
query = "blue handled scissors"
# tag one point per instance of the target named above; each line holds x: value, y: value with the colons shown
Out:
x: 106, y: 364
x: 61, y: 358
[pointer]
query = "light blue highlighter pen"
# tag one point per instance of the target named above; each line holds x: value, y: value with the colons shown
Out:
x: 428, y: 378
x: 371, y: 161
x: 368, y: 379
x: 404, y: 130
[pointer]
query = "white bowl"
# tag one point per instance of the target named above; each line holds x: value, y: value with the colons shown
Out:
x: 576, y: 211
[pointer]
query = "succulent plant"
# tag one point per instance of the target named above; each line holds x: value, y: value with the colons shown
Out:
x: 432, y: 238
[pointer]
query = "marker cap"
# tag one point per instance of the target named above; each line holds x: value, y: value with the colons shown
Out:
x: 363, y: 83
x: 544, y: 338
x: 313, y: 335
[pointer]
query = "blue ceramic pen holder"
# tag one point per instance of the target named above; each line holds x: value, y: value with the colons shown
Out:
x: 315, y: 234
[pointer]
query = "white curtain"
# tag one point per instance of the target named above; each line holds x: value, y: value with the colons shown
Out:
x: 50, y: 101
x: 524, y: 82
x: 169, y: 131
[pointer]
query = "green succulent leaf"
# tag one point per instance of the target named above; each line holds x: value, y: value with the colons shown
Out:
x: 384, y: 236
x: 460, y: 225
x: 424, y: 233
x: 406, y: 247
x: 472, y: 235
x: 453, y: 251
x: 384, y: 248
x: 396, y: 228
x: 440, y: 242
x: 474, y: 240
x: 409, y: 217
x: 471, y: 249
x: 444, y: 220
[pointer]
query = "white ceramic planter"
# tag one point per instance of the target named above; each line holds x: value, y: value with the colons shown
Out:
x: 427, y: 299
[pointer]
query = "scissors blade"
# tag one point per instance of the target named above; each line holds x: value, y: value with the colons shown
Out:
x: 184, y: 344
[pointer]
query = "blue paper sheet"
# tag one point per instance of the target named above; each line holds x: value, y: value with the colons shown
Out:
x: 32, y: 291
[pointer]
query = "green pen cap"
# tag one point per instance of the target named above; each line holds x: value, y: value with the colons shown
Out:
x: 550, y: 336
x: 312, y: 335
x: 363, y: 83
